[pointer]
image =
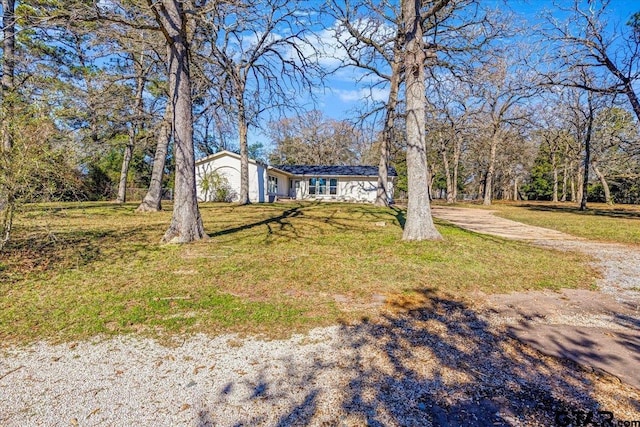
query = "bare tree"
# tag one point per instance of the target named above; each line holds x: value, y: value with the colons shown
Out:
x: 501, y: 88
x: 582, y: 106
x: 554, y: 139
x: 613, y: 146
x: 141, y: 71
x: 265, y: 58
x: 450, y: 118
x: 312, y: 139
x: 370, y: 33
x: 589, y: 114
x: 610, y: 50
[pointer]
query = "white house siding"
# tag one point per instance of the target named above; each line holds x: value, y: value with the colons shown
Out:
x: 283, y: 183
x: 229, y: 166
x: 358, y: 189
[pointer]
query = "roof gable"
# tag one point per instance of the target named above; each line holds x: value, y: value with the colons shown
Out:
x: 223, y: 153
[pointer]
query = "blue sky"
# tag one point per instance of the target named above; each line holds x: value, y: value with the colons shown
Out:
x: 343, y: 94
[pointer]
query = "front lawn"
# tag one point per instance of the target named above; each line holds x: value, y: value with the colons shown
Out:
x: 77, y: 270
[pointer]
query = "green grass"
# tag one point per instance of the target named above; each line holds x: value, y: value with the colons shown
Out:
x: 617, y: 223
x: 78, y: 270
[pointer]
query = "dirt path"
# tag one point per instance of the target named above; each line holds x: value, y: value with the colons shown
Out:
x: 596, y: 329
x: 485, y: 222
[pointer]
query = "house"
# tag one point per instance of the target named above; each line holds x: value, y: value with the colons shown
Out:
x: 300, y: 182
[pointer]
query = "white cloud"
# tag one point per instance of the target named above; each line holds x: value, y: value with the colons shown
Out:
x: 373, y: 94
x: 326, y: 46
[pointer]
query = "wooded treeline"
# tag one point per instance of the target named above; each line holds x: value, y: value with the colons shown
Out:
x: 101, y: 96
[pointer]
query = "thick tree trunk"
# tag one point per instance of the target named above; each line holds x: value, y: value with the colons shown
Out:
x: 631, y: 95
x: 186, y: 223
x: 382, y: 195
x: 152, y: 201
x: 124, y: 170
x: 603, y: 182
x: 488, y: 185
x: 244, y: 152
x: 419, y: 223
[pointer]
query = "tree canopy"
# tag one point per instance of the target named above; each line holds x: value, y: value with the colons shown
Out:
x: 127, y: 94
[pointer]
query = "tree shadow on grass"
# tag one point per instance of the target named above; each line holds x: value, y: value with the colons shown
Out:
x: 68, y: 249
x: 282, y: 221
x: 401, y: 216
x: 429, y: 361
x: 283, y: 224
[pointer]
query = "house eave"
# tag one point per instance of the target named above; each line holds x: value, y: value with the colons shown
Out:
x: 222, y: 153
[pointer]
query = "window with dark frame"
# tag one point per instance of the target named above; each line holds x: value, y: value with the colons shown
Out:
x: 318, y: 186
x: 272, y: 185
x: 333, y: 186
x: 312, y: 185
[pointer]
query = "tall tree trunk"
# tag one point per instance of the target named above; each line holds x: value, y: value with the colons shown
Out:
x: 186, y: 222
x: 565, y: 171
x: 603, y: 182
x: 447, y: 172
x: 7, y: 200
x: 457, y: 149
x: 244, y: 151
x: 419, y: 223
x: 488, y: 185
x: 580, y: 185
x: 587, y: 153
x: 133, y: 130
x: 555, y: 177
x: 124, y: 170
x: 382, y: 195
x: 515, y: 189
x: 152, y: 201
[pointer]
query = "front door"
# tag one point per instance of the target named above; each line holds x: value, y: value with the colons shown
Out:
x: 297, y: 189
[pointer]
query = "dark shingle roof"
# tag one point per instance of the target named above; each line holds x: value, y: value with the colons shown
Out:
x: 315, y: 170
